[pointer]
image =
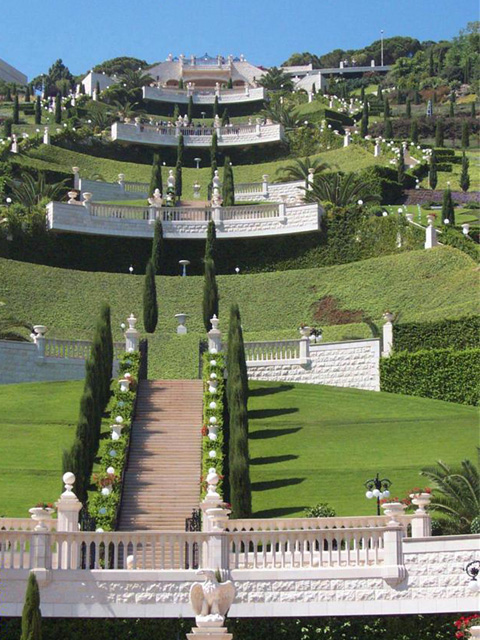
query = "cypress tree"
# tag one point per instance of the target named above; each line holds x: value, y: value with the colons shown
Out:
x: 401, y: 168
x: 465, y: 135
x: 452, y: 105
x: 230, y: 83
x: 225, y: 117
x: 213, y: 161
x: 210, y: 294
x: 180, y: 149
x: 416, y: 96
x: 86, y: 438
x: 58, y: 108
x: 432, y: 174
x: 8, y: 96
x: 408, y: 108
x: 414, y: 131
x: 16, y: 111
x: 150, y: 305
x: 176, y: 112
x: 439, y: 134
x: 88, y: 416
x: 210, y: 244
x: 31, y: 615
x: 362, y: 94
x: 364, y: 123
x: 314, y: 89
x: 472, y: 110
x: 448, y: 210
x: 464, y: 176
x: 190, y: 110
x: 386, y: 108
x: 7, y: 128
x: 27, y: 93
x: 379, y: 93
x: 228, y: 184
x: 97, y: 88
x: 107, y: 342
x: 215, y: 107
x: 158, y: 251
x: 92, y: 382
x: 38, y: 110
x: 238, y: 458
x: 178, y: 180
x: 388, y: 129
x: 156, y: 175
x: 181, y: 84
x: 431, y: 70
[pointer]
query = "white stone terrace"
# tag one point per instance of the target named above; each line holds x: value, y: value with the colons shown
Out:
x: 183, y: 222
x: 204, y: 96
x: 235, y: 135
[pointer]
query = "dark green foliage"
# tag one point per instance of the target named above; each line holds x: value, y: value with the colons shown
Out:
x: 416, y: 97
x: 442, y: 374
x: 180, y: 149
x: 190, y: 109
x: 439, y: 134
x: 465, y: 135
x: 211, y: 242
x: 215, y: 107
x: 408, y: 108
x: 455, y: 238
x: 31, y: 616
x: 120, y: 65
x: 432, y: 173
x: 379, y: 93
x: 364, y: 122
x: 230, y: 83
x: 431, y: 68
x: 386, y: 109
x: 401, y: 168
x: 7, y: 128
x: 228, y: 184
x: 16, y: 111
x: 472, y: 110
x: 463, y: 333
x: 414, y: 131
x: 388, y: 129
x: 464, y: 176
x: 362, y: 94
x: 150, y: 305
x: 448, y: 210
x: 225, y: 117
x: 210, y: 294
x: 178, y: 180
x: 158, y: 250
x: 27, y: 93
x: 58, y: 108
x: 38, y: 110
x: 237, y: 398
x: 105, y: 332
x: 176, y: 112
x: 156, y: 175
x: 8, y: 95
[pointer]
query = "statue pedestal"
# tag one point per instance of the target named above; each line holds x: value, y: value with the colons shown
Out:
x: 209, y: 633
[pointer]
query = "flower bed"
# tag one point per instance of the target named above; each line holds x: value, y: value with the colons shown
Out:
x: 212, y: 429
x: 104, y: 504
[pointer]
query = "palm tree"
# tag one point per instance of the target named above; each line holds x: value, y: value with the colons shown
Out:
x: 279, y: 113
x: 31, y: 192
x: 276, y: 80
x: 456, y: 493
x: 340, y: 190
x: 132, y: 79
x: 299, y: 169
x: 126, y: 109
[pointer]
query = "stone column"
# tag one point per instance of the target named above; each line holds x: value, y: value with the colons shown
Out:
x: 376, y: 150
x: 387, y: 336
x: 282, y: 212
x: 304, y: 348
x: 346, y: 139
x: 68, y: 508
x: 87, y: 196
x: 131, y: 335
x: 421, y: 521
x: 265, y: 185
x: 76, y: 178
x: 393, y: 570
x: 121, y: 182
x: 257, y: 128
x: 310, y: 178
x: 40, y: 340
x: 41, y: 555
x: 215, y: 336
x: 46, y: 136
x: 14, y: 147
x: 431, y: 239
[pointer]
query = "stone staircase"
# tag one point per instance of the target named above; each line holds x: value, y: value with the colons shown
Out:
x: 162, y: 480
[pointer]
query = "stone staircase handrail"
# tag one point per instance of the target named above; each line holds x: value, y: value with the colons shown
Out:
x: 293, y: 524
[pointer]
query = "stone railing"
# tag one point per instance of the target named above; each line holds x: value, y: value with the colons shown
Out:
x: 204, y: 96
x: 56, y: 348
x: 24, y: 524
x: 307, y: 524
x: 232, y: 135
x: 268, y: 352
x: 136, y: 187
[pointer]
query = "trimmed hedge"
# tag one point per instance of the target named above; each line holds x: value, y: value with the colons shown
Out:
x: 213, y: 407
x: 441, y: 374
x: 463, y: 333
x: 455, y: 238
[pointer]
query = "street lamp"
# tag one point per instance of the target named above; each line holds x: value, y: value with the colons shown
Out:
x: 198, y: 160
x: 130, y: 269
x: 203, y: 114
x: 184, y: 264
x: 381, y: 47
x: 377, y: 488
x: 473, y: 569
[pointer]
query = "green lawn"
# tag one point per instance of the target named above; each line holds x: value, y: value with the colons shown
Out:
x: 311, y: 444
x: 37, y: 422
x: 472, y: 216
x: 423, y: 285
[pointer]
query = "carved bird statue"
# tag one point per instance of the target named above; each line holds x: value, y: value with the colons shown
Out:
x: 211, y: 599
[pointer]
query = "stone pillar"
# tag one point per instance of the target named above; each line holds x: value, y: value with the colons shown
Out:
x: 152, y: 214
x: 304, y: 348
x: 346, y: 139
x: 376, y: 150
x: 68, y: 508
x: 217, y: 214
x: 265, y: 185
x: 393, y: 569
x: 87, y: 196
x: 46, y: 136
x: 76, y: 177
x: 41, y: 555
x: 39, y: 339
x: 431, y: 239
x: 247, y: 89
x: 94, y: 95
x: 131, y: 335
x: 14, y: 147
x: 310, y: 96
x: 282, y: 212
x: 215, y: 336
x: 121, y: 182
x: 465, y: 228
x: 421, y: 521
x: 475, y: 632
x: 310, y: 178
x: 387, y: 336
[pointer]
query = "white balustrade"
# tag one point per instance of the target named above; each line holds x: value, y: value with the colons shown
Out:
x: 272, y: 350
x: 305, y: 524
x: 123, y: 212
x: 203, y: 96
x: 24, y: 524
x: 136, y: 187
x: 57, y: 348
x: 244, y: 188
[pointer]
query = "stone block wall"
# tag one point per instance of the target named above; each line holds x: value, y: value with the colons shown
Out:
x: 354, y: 364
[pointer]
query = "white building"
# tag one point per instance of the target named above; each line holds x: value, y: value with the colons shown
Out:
x: 91, y: 79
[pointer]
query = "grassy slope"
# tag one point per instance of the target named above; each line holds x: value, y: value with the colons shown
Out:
x: 37, y: 422
x: 313, y: 444
x: 424, y: 285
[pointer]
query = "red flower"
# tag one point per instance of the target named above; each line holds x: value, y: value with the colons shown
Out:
x: 459, y: 634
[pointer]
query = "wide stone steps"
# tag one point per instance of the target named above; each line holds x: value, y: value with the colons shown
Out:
x: 162, y: 481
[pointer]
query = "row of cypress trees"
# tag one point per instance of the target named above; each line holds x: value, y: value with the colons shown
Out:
x: 80, y: 457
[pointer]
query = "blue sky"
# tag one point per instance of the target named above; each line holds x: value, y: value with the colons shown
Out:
x: 86, y: 32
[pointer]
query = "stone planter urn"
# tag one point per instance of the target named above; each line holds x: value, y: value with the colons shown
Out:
x: 181, y: 319
x: 421, y: 500
x: 124, y: 384
x: 430, y: 220
x: 304, y: 331
x: 393, y: 510
x: 117, y: 428
x: 72, y: 195
x: 41, y: 515
x: 219, y: 518
x: 40, y: 330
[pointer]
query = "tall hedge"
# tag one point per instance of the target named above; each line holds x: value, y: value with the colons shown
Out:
x: 158, y: 249
x: 228, y: 184
x: 210, y: 294
x: 211, y: 242
x: 156, y: 175
x: 38, y: 111
x: 463, y: 333
x: 16, y: 111
x: 150, y: 305
x: 31, y: 615
x: 442, y: 374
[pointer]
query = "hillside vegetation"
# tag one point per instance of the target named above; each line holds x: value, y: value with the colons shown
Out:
x: 423, y: 285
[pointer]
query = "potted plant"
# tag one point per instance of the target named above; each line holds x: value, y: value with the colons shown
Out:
x: 393, y: 507
x: 421, y: 498
x: 41, y: 513
x: 304, y: 330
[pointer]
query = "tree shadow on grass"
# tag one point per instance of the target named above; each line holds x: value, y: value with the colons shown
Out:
x: 267, y: 391
x: 278, y: 513
x: 262, y: 434
x: 267, y: 485
x: 273, y: 459
x: 262, y: 414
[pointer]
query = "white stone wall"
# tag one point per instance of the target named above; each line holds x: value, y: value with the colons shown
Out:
x: 102, y: 191
x: 19, y: 362
x: 76, y: 219
x: 292, y: 191
x: 435, y: 582
x: 354, y: 364
x: 237, y: 96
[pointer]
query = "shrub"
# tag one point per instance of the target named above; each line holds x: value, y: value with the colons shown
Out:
x: 156, y: 176
x: 454, y: 238
x: 442, y: 374
x: 210, y: 294
x: 150, y: 305
x: 213, y: 407
x: 16, y: 111
x: 320, y: 510
x: 158, y: 250
x: 31, y: 615
x: 463, y: 333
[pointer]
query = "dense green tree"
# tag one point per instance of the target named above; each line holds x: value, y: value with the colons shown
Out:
x: 7, y: 128
x: 105, y: 331
x: 362, y: 94
x: 156, y: 175
x: 225, y: 117
x: 178, y: 167
x: 388, y: 132
x: 230, y: 83
x: 31, y: 615
x: 237, y: 398
x: 158, y: 250
x: 276, y: 80
x: 190, y: 110
x: 150, y: 305
x: 408, y: 108
x: 417, y: 97
x: 414, y: 131
x: 215, y: 107
x: 465, y: 135
x: 401, y: 168
x: 176, y: 112
x: 439, y: 133
x: 211, y: 242
x: 379, y: 93
x: 432, y: 173
x: 472, y: 110
x: 16, y: 111
x: 364, y: 123
x: 27, y: 93
x: 464, y: 176
x: 341, y: 190
x: 431, y: 68
x: 448, y: 210
x: 452, y: 105
x: 228, y: 184
x: 58, y: 108
x: 210, y: 294
x: 118, y: 66
x: 180, y: 149
x: 386, y: 109
x: 38, y: 110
